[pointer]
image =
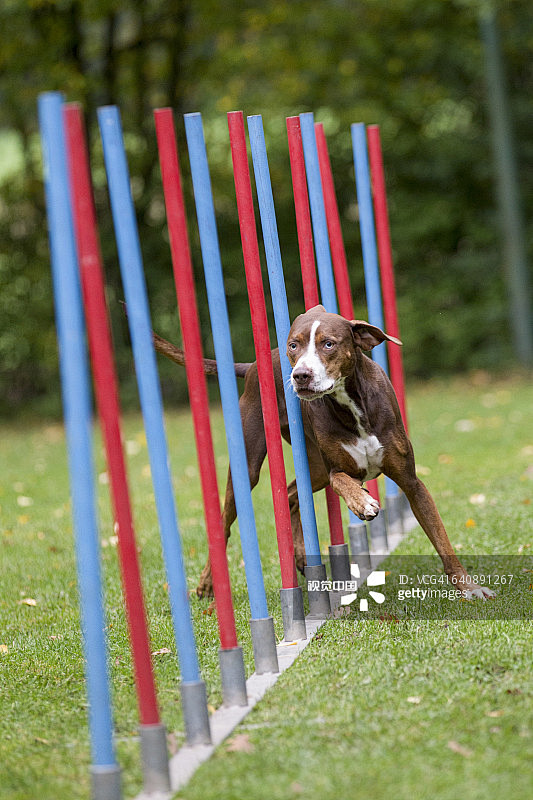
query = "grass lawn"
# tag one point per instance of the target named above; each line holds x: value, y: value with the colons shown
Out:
x: 381, y: 709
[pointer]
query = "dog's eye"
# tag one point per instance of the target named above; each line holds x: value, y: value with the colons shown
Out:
x: 329, y: 345
x: 292, y: 346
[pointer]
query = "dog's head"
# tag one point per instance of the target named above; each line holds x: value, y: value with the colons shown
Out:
x: 321, y: 348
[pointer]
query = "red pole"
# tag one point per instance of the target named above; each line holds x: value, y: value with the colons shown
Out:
x: 310, y: 285
x: 386, y: 266
x: 92, y: 281
x: 256, y: 297
x: 190, y: 330
x: 338, y: 253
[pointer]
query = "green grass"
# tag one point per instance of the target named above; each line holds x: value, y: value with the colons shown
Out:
x: 430, y: 709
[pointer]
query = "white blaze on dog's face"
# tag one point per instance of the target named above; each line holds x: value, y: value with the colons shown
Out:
x: 321, y: 350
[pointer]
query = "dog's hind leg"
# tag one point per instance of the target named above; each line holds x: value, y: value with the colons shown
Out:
x: 319, y: 480
x: 255, y: 442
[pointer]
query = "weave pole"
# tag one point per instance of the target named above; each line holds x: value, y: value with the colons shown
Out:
x: 230, y: 654
x: 327, y: 281
x: 261, y: 624
x: 338, y: 550
x: 152, y: 732
x: 319, y: 604
x: 373, y: 289
x: 74, y: 369
x: 386, y: 267
x: 291, y: 595
x: 192, y: 688
x: 357, y: 528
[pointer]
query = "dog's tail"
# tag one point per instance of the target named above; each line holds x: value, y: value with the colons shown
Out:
x: 178, y: 356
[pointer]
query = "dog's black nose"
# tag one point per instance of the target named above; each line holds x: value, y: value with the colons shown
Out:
x: 302, y: 377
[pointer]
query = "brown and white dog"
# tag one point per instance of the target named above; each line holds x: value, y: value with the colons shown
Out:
x: 352, y: 424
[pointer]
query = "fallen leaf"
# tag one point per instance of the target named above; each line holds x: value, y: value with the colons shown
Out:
x: 27, y: 601
x: 41, y: 741
x: 465, y: 425
x: 478, y: 499
x: 24, y: 502
x: 414, y: 699
x: 459, y: 749
x: 424, y: 471
x: 513, y: 691
x: 163, y: 652
x: 4, y: 648
x: 523, y: 547
x: 445, y: 458
x: 241, y: 744
x: 499, y: 713
x: 133, y: 447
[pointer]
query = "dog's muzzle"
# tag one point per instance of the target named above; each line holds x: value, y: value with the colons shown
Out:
x: 305, y: 385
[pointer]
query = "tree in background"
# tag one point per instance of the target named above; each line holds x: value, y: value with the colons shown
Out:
x: 413, y: 66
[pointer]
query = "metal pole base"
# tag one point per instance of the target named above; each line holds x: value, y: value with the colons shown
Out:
x: 359, y: 545
x: 233, y: 677
x: 394, y: 509
x: 293, y: 615
x: 106, y: 783
x: 378, y: 534
x: 154, y: 756
x: 264, y: 645
x: 319, y: 605
x: 195, y: 713
x: 339, y: 559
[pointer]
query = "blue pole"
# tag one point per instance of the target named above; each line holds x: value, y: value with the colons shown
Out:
x: 229, y: 394
x: 370, y: 253
x: 77, y: 411
x: 318, y: 214
x: 320, y: 228
x: 282, y: 321
x: 131, y: 268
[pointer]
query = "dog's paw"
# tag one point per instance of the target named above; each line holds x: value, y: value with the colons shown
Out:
x: 366, y: 508
x: 480, y: 592
x: 471, y: 590
x: 205, y: 584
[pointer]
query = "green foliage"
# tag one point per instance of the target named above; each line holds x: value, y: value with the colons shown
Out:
x: 414, y: 67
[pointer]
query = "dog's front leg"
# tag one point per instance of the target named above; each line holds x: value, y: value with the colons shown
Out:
x: 356, y: 498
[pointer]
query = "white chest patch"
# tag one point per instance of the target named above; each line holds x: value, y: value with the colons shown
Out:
x: 366, y: 450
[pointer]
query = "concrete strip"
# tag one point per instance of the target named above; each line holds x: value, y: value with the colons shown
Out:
x: 223, y: 722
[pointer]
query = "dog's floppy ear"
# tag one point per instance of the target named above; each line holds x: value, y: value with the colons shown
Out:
x: 367, y: 336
